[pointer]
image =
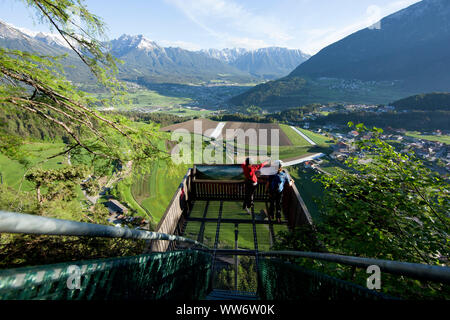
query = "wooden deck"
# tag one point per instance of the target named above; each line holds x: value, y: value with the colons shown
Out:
x: 210, y: 211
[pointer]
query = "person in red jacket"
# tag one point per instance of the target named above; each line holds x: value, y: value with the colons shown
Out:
x: 251, y: 181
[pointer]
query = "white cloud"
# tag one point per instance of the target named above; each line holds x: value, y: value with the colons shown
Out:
x: 247, y: 43
x: 319, y: 38
x: 181, y: 44
x: 225, y: 19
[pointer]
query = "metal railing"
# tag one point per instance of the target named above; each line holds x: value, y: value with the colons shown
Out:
x: 11, y: 222
x: 30, y: 224
x: 439, y: 274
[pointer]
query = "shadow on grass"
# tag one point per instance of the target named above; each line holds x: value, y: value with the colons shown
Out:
x: 320, y: 149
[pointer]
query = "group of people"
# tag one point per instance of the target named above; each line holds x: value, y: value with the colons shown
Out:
x: 275, y: 186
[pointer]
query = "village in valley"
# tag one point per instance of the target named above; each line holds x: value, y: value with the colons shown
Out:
x: 432, y: 147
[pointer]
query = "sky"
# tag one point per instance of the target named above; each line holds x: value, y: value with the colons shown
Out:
x: 308, y: 25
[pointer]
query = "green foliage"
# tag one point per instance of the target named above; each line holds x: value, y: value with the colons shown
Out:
x: 239, y: 117
x: 21, y: 125
x: 60, y: 183
x: 36, y: 84
x: 255, y: 110
x: 38, y: 102
x: 294, y: 114
x: 91, y: 186
x: 394, y: 208
x: 163, y: 119
x: 10, y: 146
x: 302, y: 238
x: 247, y: 280
x: 18, y: 250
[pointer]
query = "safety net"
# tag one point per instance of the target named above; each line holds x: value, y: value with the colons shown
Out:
x: 279, y: 280
x: 182, y: 275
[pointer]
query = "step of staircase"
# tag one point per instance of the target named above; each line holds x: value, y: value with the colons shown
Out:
x: 217, y: 294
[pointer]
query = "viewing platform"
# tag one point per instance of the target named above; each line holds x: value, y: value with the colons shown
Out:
x: 208, y: 205
x: 208, y: 208
x: 205, y: 247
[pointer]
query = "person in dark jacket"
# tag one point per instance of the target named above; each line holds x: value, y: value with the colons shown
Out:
x: 251, y: 181
x: 275, y: 186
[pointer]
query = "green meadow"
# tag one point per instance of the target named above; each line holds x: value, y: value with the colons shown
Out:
x: 36, y: 154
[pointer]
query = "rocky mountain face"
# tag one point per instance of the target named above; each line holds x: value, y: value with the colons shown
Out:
x: 412, y: 45
x: 267, y: 63
x: 146, y: 61
x: 44, y: 44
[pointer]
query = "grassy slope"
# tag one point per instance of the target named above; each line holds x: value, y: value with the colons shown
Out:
x: 310, y: 190
x: 152, y: 192
x: 317, y: 138
x: 125, y: 195
x: 162, y: 188
x: 37, y: 154
x: 301, y: 147
x: 296, y: 139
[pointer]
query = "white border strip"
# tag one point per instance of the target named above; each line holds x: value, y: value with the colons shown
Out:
x: 218, y: 130
x: 304, y: 136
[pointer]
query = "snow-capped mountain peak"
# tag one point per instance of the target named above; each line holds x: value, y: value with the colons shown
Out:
x: 226, y: 55
x: 7, y: 30
x: 146, y: 44
x: 139, y: 42
x: 52, y: 39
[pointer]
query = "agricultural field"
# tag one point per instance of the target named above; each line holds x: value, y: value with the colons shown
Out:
x: 230, y: 125
x: 294, y: 137
x: 154, y: 191
x: 151, y: 101
x: 291, y: 145
x: 317, y: 138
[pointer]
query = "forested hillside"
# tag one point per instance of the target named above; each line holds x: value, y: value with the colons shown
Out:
x: 408, y: 54
x: 425, y: 102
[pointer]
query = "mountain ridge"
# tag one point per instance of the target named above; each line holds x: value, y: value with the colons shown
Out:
x: 409, y: 54
x: 268, y: 62
x: 148, y: 62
